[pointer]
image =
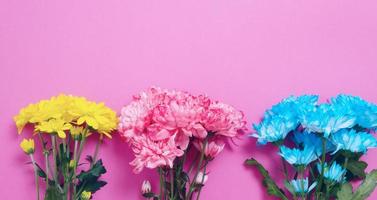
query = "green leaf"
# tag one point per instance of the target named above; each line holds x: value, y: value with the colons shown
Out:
x: 289, y: 187
x: 180, y: 180
x: 149, y: 195
x: 40, y: 171
x: 89, y: 180
x: 96, y: 170
x: 367, y: 186
x: 350, y: 155
x: 95, y: 185
x: 363, y: 191
x: 345, y: 192
x: 52, y: 193
x: 63, y: 159
x: 334, y: 189
x: 357, y: 168
x: 268, y: 182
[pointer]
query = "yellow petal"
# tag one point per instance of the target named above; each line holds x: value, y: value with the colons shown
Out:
x: 19, y: 129
x: 61, y: 134
x: 92, y: 122
x: 107, y: 134
x: 81, y: 120
x: 88, y: 134
x: 67, y: 126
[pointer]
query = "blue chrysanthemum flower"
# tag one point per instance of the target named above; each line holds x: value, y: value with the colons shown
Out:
x: 326, y: 119
x: 292, y: 104
x: 301, y: 186
x: 273, y: 129
x: 353, y: 141
x: 282, y: 118
x: 297, y: 156
x: 364, y: 112
x: 305, y: 138
x: 334, y: 173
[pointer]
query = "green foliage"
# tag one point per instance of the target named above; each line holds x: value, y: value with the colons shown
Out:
x: 363, y: 191
x: 151, y: 195
x: 345, y: 192
x: 356, y: 168
x: 52, y: 193
x: 89, y: 180
x: 367, y: 186
x: 268, y: 182
x: 180, y: 181
x: 289, y: 187
x: 40, y: 171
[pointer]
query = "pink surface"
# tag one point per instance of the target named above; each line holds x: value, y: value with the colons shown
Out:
x: 248, y: 53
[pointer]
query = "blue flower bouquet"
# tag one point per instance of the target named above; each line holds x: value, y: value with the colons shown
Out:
x: 320, y: 146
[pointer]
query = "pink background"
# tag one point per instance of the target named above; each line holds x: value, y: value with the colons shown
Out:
x: 249, y: 53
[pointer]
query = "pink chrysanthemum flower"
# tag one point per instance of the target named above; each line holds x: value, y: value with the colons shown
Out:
x: 159, y: 124
x: 223, y: 119
x: 152, y: 154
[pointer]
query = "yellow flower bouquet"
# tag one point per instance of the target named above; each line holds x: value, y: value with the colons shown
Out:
x: 62, y: 124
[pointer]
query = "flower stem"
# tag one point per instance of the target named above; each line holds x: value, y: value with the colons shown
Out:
x: 66, y: 173
x: 35, y: 174
x: 162, y: 184
x: 201, y: 182
x: 191, y: 188
x: 345, y: 167
x: 75, y: 158
x: 171, y: 184
x: 74, y: 167
x: 45, y: 152
x: 99, y: 142
x: 302, y: 172
x: 64, y: 147
x: 193, y: 164
x: 53, y: 142
x: 67, y: 144
x: 82, y: 143
x: 327, y: 192
x: 323, y: 159
x: 345, y: 163
x: 54, y: 154
x: 47, y: 169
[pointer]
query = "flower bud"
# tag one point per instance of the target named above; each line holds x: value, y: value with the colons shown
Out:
x: 201, y: 178
x: 85, y: 195
x: 28, y: 146
x: 72, y: 164
x: 212, y: 148
x: 146, y: 187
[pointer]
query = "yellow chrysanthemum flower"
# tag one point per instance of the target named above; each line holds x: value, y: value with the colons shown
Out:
x: 57, y: 126
x: 24, y: 116
x: 86, y: 112
x: 85, y: 195
x: 108, y: 125
x: 58, y: 113
x: 27, y: 145
x: 46, y: 111
x: 64, y: 104
x: 97, y: 116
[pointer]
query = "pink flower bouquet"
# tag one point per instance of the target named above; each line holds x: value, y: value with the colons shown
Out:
x: 163, y: 126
